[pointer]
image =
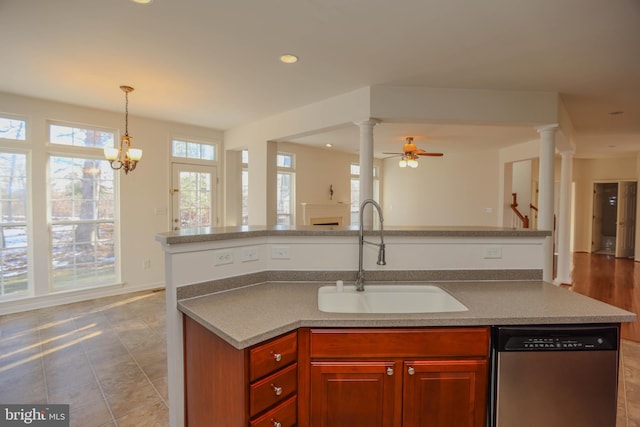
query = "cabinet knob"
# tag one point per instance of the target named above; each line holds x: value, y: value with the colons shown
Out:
x: 276, y: 423
x: 411, y: 371
x: 277, y: 390
x: 277, y: 356
x: 389, y: 371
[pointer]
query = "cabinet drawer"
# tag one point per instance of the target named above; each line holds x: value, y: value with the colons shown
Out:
x: 284, y: 415
x: 434, y: 342
x: 273, y: 389
x: 273, y: 355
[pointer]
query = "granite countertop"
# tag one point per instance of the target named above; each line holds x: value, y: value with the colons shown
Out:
x: 205, y: 234
x: 249, y: 315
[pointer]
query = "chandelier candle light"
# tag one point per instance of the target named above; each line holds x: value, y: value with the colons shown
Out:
x: 124, y: 157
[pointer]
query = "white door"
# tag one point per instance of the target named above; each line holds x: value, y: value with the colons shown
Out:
x: 194, y: 196
x: 626, y: 224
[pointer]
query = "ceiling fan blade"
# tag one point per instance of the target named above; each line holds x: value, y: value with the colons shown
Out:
x: 397, y: 154
x: 430, y: 154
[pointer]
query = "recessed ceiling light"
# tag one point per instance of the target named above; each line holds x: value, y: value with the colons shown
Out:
x: 142, y: 1
x: 288, y: 58
x: 616, y: 113
x: 328, y: 145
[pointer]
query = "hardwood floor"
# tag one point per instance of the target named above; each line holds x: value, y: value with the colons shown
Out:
x: 615, y: 281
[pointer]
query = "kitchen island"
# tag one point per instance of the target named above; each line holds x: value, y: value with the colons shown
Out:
x: 246, y: 287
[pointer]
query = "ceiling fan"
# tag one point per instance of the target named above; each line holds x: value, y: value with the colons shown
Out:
x: 410, y: 154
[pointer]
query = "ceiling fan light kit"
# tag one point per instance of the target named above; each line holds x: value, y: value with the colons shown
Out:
x: 410, y: 154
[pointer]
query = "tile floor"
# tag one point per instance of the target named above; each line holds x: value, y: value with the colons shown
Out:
x: 107, y: 359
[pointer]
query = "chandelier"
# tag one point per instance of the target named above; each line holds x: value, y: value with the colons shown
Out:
x: 124, y: 157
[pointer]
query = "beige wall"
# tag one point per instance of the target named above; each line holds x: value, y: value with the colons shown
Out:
x: 458, y: 189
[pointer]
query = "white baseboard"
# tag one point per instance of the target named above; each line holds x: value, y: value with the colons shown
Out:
x: 52, y: 300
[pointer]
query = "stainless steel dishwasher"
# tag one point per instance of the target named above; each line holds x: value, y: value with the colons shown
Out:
x: 554, y: 376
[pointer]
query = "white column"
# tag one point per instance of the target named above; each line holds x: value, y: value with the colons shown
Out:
x: 563, y: 275
x: 545, y: 194
x: 366, y: 165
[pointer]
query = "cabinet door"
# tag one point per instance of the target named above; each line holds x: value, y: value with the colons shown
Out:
x: 353, y: 393
x: 449, y: 393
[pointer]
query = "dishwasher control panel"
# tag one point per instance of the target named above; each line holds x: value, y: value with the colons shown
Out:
x: 556, y: 338
x: 558, y: 343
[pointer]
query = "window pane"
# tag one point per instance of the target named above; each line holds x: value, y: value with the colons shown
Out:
x: 195, y: 199
x: 245, y: 197
x: 13, y: 129
x: 81, y: 195
x: 13, y: 264
x: 285, y: 198
x: 355, y: 169
x: 284, y: 160
x: 355, y: 201
x: 179, y: 149
x: 207, y: 152
x: 67, y: 135
x: 81, y: 189
x: 193, y: 150
x: 245, y: 156
x: 13, y: 220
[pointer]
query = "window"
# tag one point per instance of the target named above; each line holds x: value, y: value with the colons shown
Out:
x: 80, y: 137
x: 13, y: 129
x: 286, y: 178
x: 81, y: 210
x: 245, y: 187
x: 14, y: 195
x: 193, y: 150
x: 355, y: 191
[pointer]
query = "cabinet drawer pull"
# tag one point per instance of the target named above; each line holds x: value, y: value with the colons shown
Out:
x: 389, y: 371
x: 411, y: 371
x: 277, y: 390
x: 276, y: 423
x: 277, y: 356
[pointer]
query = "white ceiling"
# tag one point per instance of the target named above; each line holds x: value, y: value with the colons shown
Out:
x: 215, y: 62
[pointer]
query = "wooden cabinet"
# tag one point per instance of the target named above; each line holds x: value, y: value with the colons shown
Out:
x: 341, y: 377
x: 444, y: 393
x: 228, y: 387
x: 397, y: 377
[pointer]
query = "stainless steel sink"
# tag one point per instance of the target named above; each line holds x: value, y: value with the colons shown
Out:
x: 387, y: 299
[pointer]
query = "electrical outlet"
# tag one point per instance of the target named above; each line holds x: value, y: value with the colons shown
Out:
x: 223, y: 257
x: 493, y: 252
x: 250, y: 254
x: 146, y: 264
x: 280, y: 252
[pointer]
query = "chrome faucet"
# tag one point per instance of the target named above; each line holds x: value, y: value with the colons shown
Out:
x: 381, y: 257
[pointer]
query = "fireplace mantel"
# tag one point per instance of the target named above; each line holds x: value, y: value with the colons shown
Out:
x: 326, y: 214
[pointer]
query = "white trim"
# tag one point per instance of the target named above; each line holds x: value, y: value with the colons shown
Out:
x: 60, y: 298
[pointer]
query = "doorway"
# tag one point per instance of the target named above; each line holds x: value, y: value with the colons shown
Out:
x: 194, y: 196
x: 614, y: 218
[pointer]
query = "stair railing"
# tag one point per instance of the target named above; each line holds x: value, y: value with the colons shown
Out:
x: 514, y: 208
